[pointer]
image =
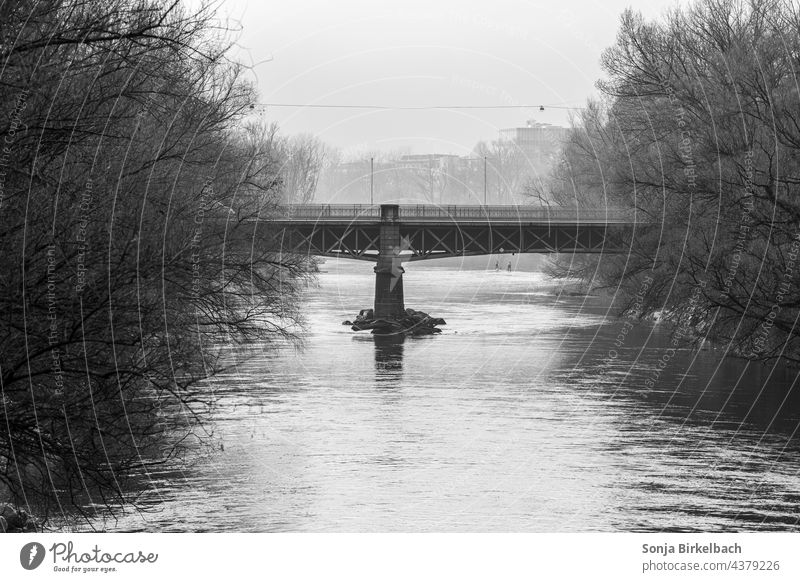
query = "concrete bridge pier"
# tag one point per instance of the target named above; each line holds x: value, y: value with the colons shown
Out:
x: 389, y: 271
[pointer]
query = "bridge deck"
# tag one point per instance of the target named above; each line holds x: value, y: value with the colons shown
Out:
x: 428, y: 232
x: 427, y: 214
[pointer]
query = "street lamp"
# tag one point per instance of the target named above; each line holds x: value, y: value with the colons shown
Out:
x: 484, y: 180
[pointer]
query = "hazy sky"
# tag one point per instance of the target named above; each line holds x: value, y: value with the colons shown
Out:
x: 424, y: 53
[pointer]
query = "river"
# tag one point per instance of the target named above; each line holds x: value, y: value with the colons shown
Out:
x: 522, y: 416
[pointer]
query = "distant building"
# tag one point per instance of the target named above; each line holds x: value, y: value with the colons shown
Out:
x: 428, y: 160
x: 496, y: 174
x: 537, y: 142
x: 417, y: 178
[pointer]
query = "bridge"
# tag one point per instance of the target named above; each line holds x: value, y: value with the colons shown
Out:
x: 391, y: 234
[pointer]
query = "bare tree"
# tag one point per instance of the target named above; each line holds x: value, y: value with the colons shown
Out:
x: 303, y: 161
x: 699, y: 134
x: 129, y: 202
x: 507, y: 170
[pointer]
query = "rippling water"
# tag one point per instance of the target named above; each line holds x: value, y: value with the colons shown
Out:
x: 517, y: 418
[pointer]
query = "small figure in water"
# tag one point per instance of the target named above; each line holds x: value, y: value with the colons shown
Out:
x: 509, y: 265
x: 497, y: 266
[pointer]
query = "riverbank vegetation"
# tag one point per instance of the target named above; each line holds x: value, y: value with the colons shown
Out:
x: 129, y: 193
x: 698, y: 133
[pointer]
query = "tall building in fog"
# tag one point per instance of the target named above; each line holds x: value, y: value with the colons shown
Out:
x: 537, y: 142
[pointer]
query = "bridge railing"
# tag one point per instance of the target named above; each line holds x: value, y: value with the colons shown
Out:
x: 429, y: 212
x: 329, y: 211
x: 512, y: 213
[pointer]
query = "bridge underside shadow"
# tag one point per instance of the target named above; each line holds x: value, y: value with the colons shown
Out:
x: 424, y: 241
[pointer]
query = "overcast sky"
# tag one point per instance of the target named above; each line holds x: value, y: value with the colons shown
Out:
x: 424, y: 53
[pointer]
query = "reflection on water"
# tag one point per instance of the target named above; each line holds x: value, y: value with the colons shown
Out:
x: 518, y: 417
x: 388, y: 356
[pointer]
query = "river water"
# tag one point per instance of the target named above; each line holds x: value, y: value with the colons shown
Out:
x: 522, y: 416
